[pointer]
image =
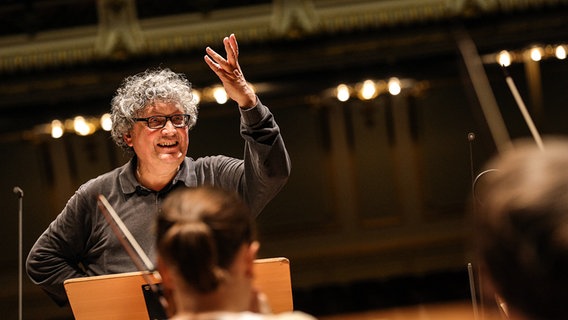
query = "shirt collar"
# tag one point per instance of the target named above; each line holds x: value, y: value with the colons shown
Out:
x: 129, y: 184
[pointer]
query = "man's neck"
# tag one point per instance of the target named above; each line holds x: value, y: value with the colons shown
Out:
x: 155, y: 179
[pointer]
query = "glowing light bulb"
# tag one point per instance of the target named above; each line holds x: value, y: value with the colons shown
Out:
x: 369, y: 90
x: 504, y: 58
x: 536, y: 54
x: 342, y: 92
x: 106, y: 122
x: 81, y: 126
x: 560, y: 52
x: 56, y: 129
x: 220, y: 95
x: 394, y: 86
x: 196, y: 96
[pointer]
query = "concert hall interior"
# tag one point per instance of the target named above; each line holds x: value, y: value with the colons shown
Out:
x: 376, y: 104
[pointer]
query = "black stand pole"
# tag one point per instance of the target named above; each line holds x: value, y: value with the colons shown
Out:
x: 20, y: 193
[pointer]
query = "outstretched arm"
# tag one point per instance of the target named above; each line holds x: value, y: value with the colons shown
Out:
x: 265, y: 167
x: 229, y: 72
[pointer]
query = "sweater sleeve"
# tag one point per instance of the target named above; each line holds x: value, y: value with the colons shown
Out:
x: 267, y: 164
x: 55, y: 256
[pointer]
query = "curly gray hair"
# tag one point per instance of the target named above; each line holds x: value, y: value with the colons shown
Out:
x: 141, y: 90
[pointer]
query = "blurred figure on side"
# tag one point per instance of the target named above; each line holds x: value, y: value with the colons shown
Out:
x: 521, y: 230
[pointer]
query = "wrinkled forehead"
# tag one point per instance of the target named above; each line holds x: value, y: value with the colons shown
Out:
x: 161, y: 107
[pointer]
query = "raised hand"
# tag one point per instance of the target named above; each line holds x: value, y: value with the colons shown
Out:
x: 229, y: 72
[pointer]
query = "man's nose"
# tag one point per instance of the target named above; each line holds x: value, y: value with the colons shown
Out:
x: 169, y: 127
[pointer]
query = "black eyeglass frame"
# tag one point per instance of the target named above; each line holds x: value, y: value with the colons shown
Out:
x: 186, y: 118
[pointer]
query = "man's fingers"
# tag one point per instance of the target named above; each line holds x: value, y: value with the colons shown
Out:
x: 218, y: 59
x: 214, y: 66
x: 231, y: 56
x: 234, y: 44
x: 226, y: 69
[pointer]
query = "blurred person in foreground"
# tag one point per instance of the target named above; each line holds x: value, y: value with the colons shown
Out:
x: 521, y: 234
x: 206, y: 242
x: 152, y: 113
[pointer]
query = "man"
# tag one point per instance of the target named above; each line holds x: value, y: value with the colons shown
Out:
x: 152, y: 113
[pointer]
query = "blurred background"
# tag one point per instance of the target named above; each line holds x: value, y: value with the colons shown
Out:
x: 374, y: 100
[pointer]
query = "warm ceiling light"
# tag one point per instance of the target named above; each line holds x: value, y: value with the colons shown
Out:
x: 394, y: 86
x: 342, y: 92
x: 195, y: 96
x: 220, y: 95
x: 106, y: 122
x: 536, y: 54
x: 504, y: 58
x: 56, y: 129
x: 560, y: 52
x: 81, y: 126
x: 368, y: 90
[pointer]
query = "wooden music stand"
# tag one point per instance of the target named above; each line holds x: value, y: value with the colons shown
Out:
x: 272, y: 277
x: 121, y: 296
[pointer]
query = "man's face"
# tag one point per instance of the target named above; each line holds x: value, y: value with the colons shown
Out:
x: 167, y: 145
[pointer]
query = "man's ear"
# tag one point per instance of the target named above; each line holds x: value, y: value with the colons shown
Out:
x: 127, y: 139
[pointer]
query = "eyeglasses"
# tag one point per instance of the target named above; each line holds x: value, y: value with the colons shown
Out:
x: 158, y: 122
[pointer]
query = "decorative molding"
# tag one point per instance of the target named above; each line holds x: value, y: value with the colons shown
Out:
x: 284, y: 18
x: 289, y: 15
x: 118, y: 28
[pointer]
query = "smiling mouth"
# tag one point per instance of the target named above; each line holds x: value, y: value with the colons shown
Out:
x: 168, y: 144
